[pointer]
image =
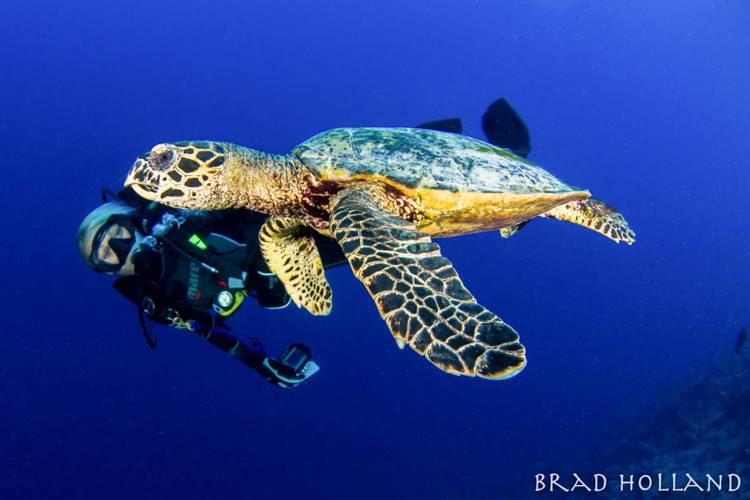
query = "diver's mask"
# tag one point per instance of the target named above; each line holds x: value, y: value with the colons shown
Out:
x: 121, y: 231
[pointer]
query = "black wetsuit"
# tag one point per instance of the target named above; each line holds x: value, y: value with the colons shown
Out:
x: 182, y: 270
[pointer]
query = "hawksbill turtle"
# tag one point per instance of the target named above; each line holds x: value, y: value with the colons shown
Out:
x: 382, y: 194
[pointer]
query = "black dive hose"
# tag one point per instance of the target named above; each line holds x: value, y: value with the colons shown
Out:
x: 146, y: 327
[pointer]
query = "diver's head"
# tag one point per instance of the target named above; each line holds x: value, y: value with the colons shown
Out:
x: 181, y: 175
x: 108, y: 237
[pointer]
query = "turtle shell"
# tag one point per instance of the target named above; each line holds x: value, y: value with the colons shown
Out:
x: 423, y: 159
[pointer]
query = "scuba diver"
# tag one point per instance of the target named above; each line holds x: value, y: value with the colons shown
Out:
x: 192, y: 270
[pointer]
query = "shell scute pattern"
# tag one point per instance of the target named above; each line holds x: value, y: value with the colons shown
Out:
x: 426, y: 159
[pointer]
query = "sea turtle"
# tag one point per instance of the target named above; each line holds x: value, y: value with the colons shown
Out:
x: 382, y: 193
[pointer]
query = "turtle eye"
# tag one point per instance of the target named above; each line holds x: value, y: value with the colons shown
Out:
x: 163, y: 159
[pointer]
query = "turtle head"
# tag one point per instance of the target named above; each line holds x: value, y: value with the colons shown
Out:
x: 182, y: 175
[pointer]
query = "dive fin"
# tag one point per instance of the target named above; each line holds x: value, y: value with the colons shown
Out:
x: 504, y: 128
x: 448, y: 125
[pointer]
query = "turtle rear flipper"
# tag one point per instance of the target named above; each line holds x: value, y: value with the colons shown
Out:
x: 289, y: 249
x: 418, y: 292
x: 597, y: 216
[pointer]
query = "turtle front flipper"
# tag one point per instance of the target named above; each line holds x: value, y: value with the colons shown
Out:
x: 418, y: 292
x: 289, y: 250
x: 597, y: 216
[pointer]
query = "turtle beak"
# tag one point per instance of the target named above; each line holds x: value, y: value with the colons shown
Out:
x: 141, y: 178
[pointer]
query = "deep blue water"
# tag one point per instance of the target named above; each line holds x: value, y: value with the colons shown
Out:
x: 644, y: 103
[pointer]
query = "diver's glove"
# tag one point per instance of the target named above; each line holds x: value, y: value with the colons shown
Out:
x: 293, y: 367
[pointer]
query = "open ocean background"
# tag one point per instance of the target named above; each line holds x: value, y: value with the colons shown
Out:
x: 644, y: 103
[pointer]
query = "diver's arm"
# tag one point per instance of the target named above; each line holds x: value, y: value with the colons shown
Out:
x: 251, y: 353
x: 284, y: 373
